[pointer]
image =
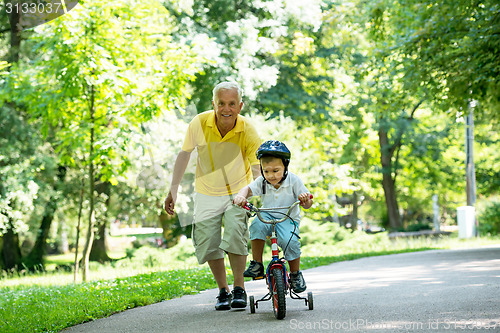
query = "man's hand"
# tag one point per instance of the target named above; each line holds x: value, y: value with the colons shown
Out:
x: 170, y: 204
x: 306, y: 200
x: 180, y: 166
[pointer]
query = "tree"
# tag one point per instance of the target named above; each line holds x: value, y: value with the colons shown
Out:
x: 316, y: 89
x: 111, y: 67
x: 430, y: 51
x: 35, y: 257
x: 16, y: 187
x: 451, y: 48
x: 98, y: 249
x: 241, y: 39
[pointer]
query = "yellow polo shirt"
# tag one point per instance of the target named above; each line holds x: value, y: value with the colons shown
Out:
x: 223, y: 164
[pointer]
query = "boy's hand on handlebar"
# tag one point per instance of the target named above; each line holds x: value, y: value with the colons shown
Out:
x: 240, y: 200
x: 306, y: 200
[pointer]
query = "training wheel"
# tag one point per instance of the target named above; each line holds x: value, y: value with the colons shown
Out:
x: 310, y: 300
x: 252, y: 304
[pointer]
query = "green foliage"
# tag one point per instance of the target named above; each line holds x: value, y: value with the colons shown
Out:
x: 180, y: 255
x: 99, y: 60
x: 3, y: 66
x: 87, y: 81
x: 243, y: 40
x: 20, y: 177
x: 487, y: 157
x: 449, y: 50
x: 429, y: 163
x: 489, y: 218
x: 327, y: 233
x: 311, y: 160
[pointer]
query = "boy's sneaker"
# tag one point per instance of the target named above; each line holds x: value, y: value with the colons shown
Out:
x: 223, y: 300
x: 239, y: 298
x: 255, y: 270
x: 298, y: 282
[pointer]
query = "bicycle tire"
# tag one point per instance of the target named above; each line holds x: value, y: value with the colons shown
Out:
x: 310, y: 300
x: 252, y: 304
x: 278, y: 293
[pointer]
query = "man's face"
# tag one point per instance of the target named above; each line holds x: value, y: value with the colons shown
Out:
x: 273, y: 170
x: 227, y: 107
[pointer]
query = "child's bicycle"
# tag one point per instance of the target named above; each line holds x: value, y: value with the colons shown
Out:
x: 277, y: 277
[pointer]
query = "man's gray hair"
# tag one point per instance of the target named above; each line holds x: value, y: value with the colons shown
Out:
x: 228, y: 85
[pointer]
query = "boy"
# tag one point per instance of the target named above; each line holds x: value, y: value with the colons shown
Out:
x: 278, y: 188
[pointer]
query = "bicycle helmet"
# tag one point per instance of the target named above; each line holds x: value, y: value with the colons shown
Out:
x: 277, y: 149
x: 274, y: 148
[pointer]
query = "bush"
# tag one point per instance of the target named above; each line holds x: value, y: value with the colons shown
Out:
x: 180, y: 255
x: 418, y: 226
x: 489, y: 219
x: 327, y: 233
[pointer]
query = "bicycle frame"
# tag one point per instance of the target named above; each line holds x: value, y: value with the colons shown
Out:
x: 277, y: 277
x: 276, y: 262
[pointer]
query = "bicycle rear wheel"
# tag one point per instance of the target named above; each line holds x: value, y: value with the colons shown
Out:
x: 278, y: 293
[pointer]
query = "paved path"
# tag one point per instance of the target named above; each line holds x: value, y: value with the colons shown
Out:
x: 432, y: 291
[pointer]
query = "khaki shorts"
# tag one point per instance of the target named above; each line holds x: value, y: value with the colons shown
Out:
x: 210, y: 215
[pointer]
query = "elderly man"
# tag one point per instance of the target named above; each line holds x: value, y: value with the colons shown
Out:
x: 226, y: 145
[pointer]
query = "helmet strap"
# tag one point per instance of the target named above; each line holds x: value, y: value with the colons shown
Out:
x: 264, y: 181
x: 284, y: 175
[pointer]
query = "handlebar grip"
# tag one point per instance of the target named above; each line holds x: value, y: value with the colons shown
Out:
x: 247, y: 207
x: 310, y: 196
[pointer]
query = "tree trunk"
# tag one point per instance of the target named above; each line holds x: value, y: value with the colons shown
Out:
x: 388, y: 182
x: 15, y: 36
x: 354, y: 216
x: 86, y: 250
x: 90, y: 232
x: 99, y: 246
x: 98, y: 252
x: 80, y: 207
x: 11, y: 252
x: 391, y: 202
x: 35, y: 257
x: 62, y: 233
x: 2, y: 262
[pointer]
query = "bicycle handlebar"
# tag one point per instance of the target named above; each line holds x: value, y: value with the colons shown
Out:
x: 252, y: 208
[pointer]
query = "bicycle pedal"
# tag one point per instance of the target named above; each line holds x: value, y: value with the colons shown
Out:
x: 259, y: 277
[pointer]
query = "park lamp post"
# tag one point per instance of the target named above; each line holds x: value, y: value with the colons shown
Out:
x: 470, y: 171
x: 469, y: 158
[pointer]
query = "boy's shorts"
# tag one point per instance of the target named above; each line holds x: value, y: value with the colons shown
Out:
x: 286, y: 231
x: 210, y: 214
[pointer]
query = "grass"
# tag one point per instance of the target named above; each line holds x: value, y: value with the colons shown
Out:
x: 50, y: 302
x: 51, y: 309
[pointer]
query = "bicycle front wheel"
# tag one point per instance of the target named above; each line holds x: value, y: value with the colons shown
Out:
x: 278, y: 293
